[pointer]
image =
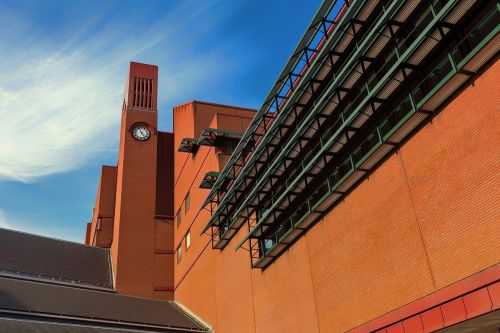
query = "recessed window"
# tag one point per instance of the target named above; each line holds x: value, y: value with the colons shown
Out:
x: 228, y: 146
x: 179, y: 217
x: 179, y: 254
x: 265, y: 245
x: 188, y: 240
x: 187, y: 203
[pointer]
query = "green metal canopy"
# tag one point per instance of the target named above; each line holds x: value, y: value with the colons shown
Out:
x: 188, y: 145
x: 209, y: 179
x: 211, y: 136
x: 381, y: 70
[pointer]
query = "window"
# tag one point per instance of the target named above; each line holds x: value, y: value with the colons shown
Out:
x: 187, y: 203
x: 188, y: 240
x: 228, y: 146
x: 179, y: 253
x: 179, y: 217
x: 265, y: 245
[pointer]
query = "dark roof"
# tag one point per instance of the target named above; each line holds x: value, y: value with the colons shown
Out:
x: 52, y: 259
x: 16, y: 325
x: 35, y: 301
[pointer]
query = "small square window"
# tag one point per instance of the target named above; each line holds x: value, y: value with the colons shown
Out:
x: 179, y: 217
x: 179, y: 254
x: 188, y: 240
x: 187, y: 203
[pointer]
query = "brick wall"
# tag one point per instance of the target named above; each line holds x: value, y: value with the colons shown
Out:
x: 426, y: 218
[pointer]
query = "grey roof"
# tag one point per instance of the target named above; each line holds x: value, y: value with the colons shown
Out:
x: 51, y: 285
x: 92, y: 307
x: 57, y: 260
x: 16, y: 325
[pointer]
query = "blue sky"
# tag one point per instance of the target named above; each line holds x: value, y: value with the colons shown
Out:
x: 63, y: 68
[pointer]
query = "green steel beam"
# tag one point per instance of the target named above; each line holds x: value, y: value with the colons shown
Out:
x: 392, y: 7
x: 455, y: 68
x: 409, y: 51
x: 392, y: 10
x: 262, y: 113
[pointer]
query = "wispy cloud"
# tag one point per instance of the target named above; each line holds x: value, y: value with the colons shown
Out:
x: 60, y: 100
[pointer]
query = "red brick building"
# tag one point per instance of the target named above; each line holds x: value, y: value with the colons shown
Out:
x: 133, y: 212
x: 361, y: 197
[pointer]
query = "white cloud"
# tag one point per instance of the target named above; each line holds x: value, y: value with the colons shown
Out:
x: 60, y: 102
x: 56, y: 119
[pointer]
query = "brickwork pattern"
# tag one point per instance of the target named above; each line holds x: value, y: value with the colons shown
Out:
x: 426, y: 218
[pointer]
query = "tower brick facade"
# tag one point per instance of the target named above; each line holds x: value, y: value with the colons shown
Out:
x: 137, y: 222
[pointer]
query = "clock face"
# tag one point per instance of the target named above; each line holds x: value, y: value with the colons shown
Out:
x: 141, y: 132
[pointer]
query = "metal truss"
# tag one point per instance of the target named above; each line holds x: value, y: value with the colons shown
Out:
x: 271, y: 235
x: 291, y: 78
x: 319, y: 119
x: 306, y: 95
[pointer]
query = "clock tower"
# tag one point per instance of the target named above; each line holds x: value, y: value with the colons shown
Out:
x: 142, y: 232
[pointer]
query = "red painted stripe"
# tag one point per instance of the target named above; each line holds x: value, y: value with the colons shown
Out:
x: 473, y: 296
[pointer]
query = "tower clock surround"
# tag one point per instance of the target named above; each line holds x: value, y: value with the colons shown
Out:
x: 141, y: 131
